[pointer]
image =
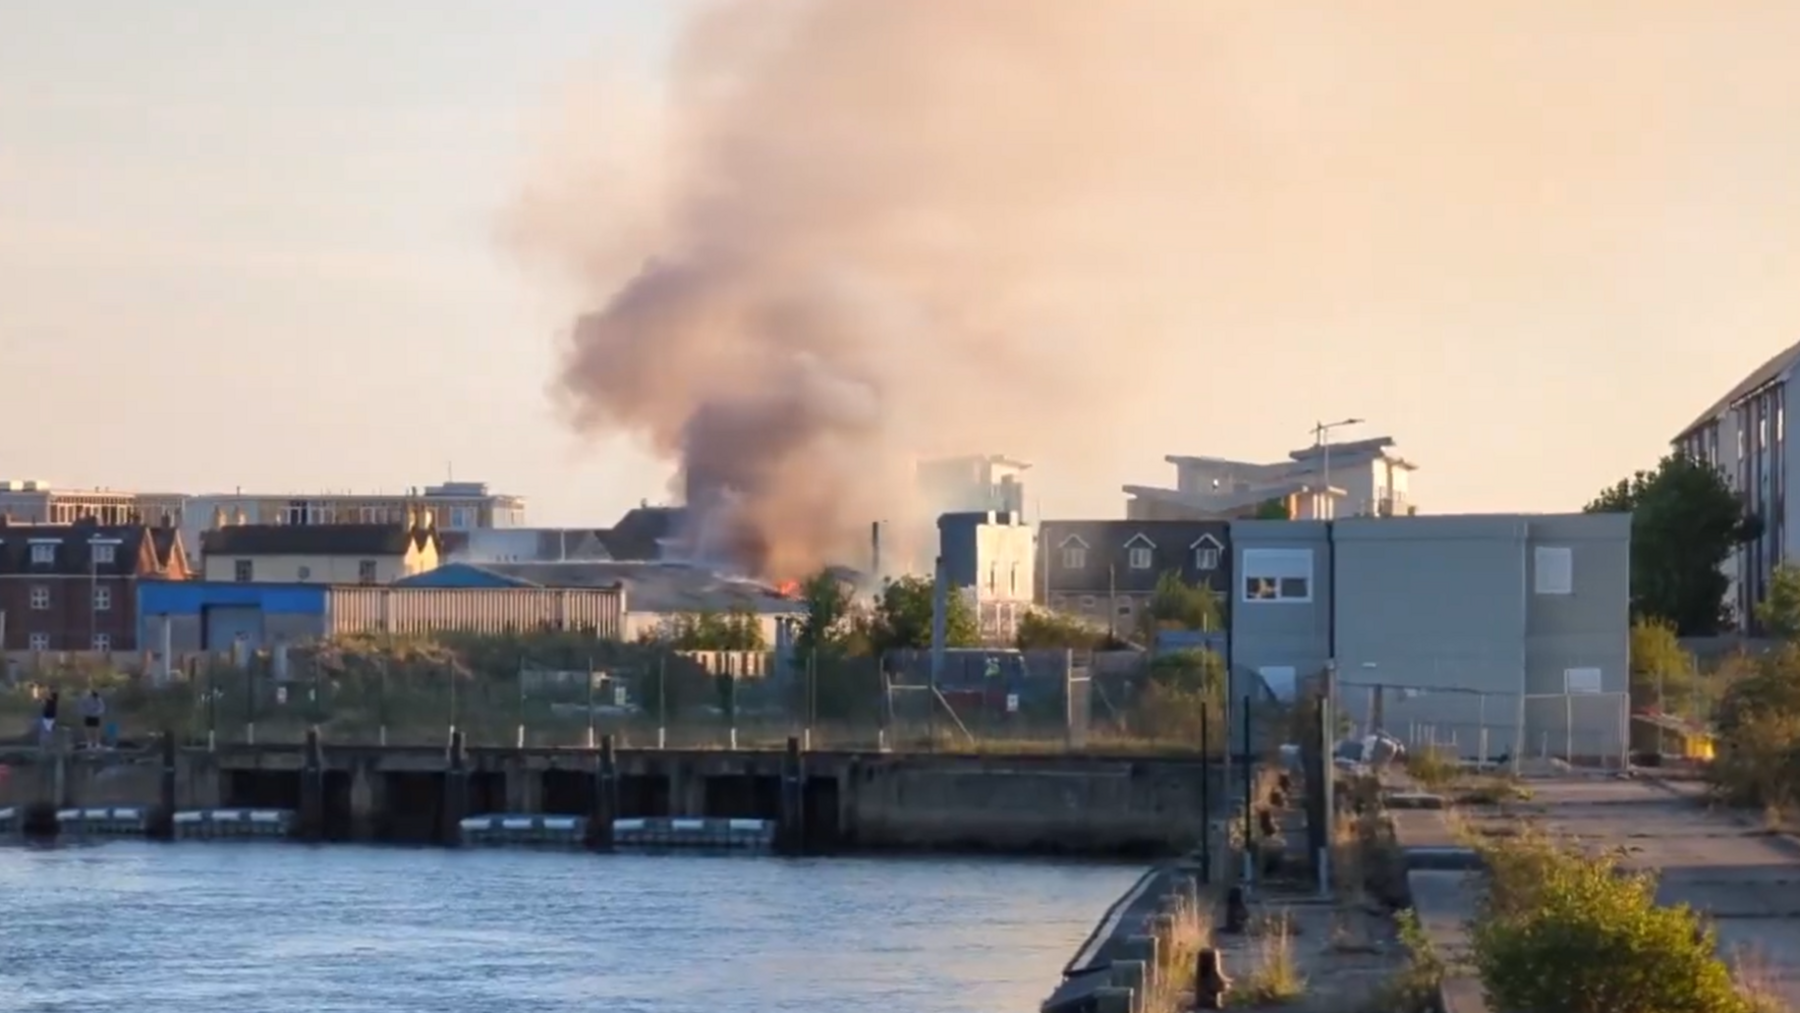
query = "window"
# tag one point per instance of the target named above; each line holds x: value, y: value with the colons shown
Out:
x: 1140, y: 557
x: 304, y: 573
x: 1277, y: 575
x: 102, y: 599
x: 365, y: 572
x: 1553, y: 569
x: 1074, y: 557
x: 243, y: 571
x: 1206, y: 558
x: 40, y: 641
x: 104, y: 552
x: 40, y: 597
x: 1124, y: 606
x: 1087, y: 603
x: 369, y: 515
x: 102, y: 641
x: 43, y: 553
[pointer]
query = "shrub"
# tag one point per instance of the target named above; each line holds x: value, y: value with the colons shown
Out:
x: 1563, y: 933
x: 1432, y: 769
x: 1276, y: 978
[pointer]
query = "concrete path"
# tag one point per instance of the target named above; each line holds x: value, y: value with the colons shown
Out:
x: 1746, y: 879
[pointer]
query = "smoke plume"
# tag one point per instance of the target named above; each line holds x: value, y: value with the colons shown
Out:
x: 849, y: 233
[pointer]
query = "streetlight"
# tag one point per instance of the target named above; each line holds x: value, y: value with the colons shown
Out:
x: 1322, y: 440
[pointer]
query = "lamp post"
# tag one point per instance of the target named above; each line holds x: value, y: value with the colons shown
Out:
x: 1322, y: 440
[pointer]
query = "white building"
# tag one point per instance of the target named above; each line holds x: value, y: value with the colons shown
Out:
x: 1360, y: 478
x: 1744, y: 435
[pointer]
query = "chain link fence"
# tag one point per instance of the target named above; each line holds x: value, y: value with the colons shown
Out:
x: 555, y: 691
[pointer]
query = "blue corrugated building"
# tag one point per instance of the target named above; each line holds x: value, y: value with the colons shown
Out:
x: 211, y: 615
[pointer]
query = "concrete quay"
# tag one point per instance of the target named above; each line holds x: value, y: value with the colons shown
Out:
x: 823, y: 802
x: 1746, y: 880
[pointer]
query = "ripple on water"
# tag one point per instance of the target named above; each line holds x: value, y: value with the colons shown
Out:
x: 282, y: 929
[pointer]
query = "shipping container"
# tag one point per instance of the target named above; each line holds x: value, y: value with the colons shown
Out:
x: 474, y: 610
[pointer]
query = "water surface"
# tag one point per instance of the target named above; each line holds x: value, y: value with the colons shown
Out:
x: 261, y: 927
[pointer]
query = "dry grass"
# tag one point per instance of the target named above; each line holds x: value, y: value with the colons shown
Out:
x: 1433, y: 770
x: 1757, y: 981
x: 1177, y: 956
x: 1276, y: 978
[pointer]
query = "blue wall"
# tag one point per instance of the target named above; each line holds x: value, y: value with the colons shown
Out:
x: 190, y: 597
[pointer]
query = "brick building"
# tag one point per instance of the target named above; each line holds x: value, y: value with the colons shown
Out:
x: 73, y: 587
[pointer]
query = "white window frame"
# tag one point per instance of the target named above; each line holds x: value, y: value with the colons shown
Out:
x: 43, y: 553
x: 103, y: 642
x: 1206, y: 557
x: 1553, y: 570
x: 1141, y: 557
x: 40, y: 597
x: 102, y: 598
x: 105, y: 552
x: 38, y: 642
x: 1264, y: 576
x: 1074, y: 557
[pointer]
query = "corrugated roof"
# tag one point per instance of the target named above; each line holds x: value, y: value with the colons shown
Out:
x: 1763, y: 374
x: 654, y: 587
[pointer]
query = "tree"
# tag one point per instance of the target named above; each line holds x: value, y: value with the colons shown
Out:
x: 1779, y: 613
x: 828, y: 619
x: 1685, y: 522
x: 737, y: 630
x: 1045, y: 630
x: 903, y: 613
x: 1178, y: 605
x: 1661, y: 669
x: 1273, y: 510
x: 1560, y: 932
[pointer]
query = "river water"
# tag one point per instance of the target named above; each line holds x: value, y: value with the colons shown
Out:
x: 274, y: 928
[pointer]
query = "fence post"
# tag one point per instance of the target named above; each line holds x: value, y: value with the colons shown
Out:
x: 662, y: 699
x: 381, y: 702
x: 1206, y: 769
x: 212, y: 710
x: 590, y: 702
x: 1249, y: 802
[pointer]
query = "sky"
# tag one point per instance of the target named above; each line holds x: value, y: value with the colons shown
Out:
x: 254, y: 245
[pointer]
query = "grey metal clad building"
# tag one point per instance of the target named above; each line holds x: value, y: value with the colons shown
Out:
x: 1451, y: 629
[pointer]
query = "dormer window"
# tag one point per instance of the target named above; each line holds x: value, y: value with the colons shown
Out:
x: 43, y: 554
x: 104, y: 552
x: 1140, y: 558
x: 1140, y: 552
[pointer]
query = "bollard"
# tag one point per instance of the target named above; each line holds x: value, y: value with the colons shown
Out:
x: 1237, y: 912
x: 1110, y: 999
x: 1133, y: 976
x: 312, y: 788
x: 1145, y: 950
x: 1211, y: 985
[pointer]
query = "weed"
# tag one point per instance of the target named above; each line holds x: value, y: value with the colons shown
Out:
x: 1276, y: 978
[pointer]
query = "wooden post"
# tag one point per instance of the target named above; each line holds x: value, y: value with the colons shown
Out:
x: 790, y: 832
x: 456, y: 790
x: 311, y: 824
x: 606, y: 796
x: 162, y: 821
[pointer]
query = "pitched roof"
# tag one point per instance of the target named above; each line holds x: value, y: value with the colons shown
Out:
x: 75, y: 547
x: 312, y: 540
x: 1765, y: 373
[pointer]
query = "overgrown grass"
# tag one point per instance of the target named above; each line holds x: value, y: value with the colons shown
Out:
x: 1177, y: 956
x: 1275, y: 979
x: 1757, y: 982
x: 1415, y: 987
x: 1433, y: 770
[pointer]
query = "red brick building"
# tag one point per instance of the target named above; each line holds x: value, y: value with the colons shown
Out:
x: 73, y: 587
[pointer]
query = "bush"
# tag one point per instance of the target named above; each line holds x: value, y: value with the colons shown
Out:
x: 1564, y: 933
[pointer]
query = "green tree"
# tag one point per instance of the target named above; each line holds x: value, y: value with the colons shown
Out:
x: 1273, y: 510
x: 1178, y: 605
x: 1663, y: 673
x: 1779, y: 613
x: 1045, y: 630
x: 737, y: 630
x: 902, y: 617
x: 1685, y: 522
x: 1565, y: 933
x: 828, y: 620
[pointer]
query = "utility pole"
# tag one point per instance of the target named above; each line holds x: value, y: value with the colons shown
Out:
x: 1322, y: 440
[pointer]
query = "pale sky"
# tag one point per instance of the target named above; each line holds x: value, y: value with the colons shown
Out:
x: 253, y: 245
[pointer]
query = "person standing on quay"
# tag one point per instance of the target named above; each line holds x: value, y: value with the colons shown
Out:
x: 92, y: 710
x: 47, y: 723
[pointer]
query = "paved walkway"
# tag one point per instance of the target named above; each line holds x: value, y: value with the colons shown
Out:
x: 1746, y: 879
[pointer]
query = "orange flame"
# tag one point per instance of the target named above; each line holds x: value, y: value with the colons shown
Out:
x: 788, y: 588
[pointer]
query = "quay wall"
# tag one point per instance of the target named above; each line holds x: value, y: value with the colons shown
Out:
x: 1081, y: 805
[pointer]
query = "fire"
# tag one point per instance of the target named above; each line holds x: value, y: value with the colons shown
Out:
x: 788, y: 588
